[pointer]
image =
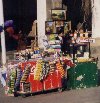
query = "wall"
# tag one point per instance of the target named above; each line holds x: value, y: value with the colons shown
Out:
x: 41, y: 18
x: 95, y: 18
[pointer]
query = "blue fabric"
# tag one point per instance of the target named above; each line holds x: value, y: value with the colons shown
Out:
x: 8, y: 23
x: 4, y: 76
x: 1, y: 29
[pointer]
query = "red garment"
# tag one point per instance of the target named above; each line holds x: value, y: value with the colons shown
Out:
x: 10, y: 30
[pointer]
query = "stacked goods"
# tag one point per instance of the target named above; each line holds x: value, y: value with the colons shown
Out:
x: 54, y: 44
x: 45, y: 70
x: 60, y: 68
x: 27, y: 54
x: 18, y: 78
x: 82, y: 34
x: 52, y: 67
x: 38, y: 70
x: 11, y: 82
x: 25, y: 74
x: 13, y: 75
x: 84, y: 59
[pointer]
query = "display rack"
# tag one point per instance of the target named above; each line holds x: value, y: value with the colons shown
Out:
x: 85, y: 72
x: 81, y: 49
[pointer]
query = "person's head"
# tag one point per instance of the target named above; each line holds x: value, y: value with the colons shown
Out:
x: 10, y: 30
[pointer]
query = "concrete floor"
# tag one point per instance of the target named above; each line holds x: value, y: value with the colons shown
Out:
x: 90, y: 95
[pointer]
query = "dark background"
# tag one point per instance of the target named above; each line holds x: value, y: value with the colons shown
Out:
x: 23, y: 12
x: 74, y: 12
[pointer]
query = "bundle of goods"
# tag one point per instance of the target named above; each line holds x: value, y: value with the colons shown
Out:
x: 55, y: 44
x: 86, y: 59
x: 15, y: 76
x: 18, y: 77
x: 27, y: 54
x: 52, y: 66
x: 82, y: 59
x: 23, y: 55
x: 25, y: 74
x: 51, y: 54
x: 45, y: 69
x: 60, y: 68
x: 11, y: 79
x: 38, y: 70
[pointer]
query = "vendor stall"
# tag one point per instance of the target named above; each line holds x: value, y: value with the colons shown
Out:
x: 65, y: 60
x: 43, y: 72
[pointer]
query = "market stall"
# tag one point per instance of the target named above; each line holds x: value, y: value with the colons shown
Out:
x: 41, y: 72
x: 36, y: 69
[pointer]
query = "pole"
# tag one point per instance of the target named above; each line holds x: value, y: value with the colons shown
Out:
x: 3, y: 48
x: 95, y: 18
x: 41, y: 18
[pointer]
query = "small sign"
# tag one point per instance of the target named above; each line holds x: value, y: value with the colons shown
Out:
x: 91, y: 40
